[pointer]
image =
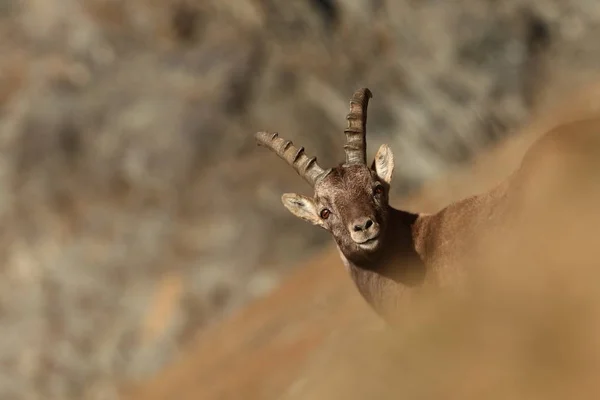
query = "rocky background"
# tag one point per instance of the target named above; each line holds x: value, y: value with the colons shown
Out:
x: 135, y: 206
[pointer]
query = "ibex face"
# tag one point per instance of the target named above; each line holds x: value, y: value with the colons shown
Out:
x: 350, y: 200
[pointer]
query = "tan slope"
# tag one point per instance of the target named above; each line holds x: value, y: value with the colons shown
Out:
x: 259, y: 351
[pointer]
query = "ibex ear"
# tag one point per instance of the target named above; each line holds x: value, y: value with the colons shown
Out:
x: 383, y: 163
x: 302, y: 207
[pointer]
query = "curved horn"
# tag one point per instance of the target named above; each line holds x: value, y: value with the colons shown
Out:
x: 356, y: 147
x: 306, y: 167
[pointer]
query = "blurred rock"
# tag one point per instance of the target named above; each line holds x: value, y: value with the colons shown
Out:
x: 128, y: 157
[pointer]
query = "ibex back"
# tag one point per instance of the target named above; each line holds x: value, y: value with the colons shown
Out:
x: 390, y: 252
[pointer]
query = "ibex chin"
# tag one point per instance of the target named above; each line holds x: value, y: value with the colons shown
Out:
x: 389, y: 251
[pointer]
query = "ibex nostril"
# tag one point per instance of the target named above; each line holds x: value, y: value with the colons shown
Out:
x: 364, y: 226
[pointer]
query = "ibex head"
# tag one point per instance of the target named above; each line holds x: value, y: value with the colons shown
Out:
x: 350, y: 200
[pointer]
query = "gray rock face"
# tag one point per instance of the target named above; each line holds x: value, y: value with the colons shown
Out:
x: 135, y: 207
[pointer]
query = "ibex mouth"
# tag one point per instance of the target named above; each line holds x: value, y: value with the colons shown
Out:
x: 370, y: 240
x: 369, y: 244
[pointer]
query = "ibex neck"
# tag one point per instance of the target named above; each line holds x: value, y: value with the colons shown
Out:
x: 397, y: 267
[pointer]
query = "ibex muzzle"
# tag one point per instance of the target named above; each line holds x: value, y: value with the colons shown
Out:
x: 364, y: 230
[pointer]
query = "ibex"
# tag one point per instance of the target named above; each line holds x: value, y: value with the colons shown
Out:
x: 389, y: 251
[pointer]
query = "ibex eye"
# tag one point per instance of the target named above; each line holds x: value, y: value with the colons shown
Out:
x: 325, y: 213
x: 378, y: 189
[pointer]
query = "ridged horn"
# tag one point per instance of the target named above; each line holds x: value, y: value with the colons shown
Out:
x: 356, y: 146
x: 305, y: 166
